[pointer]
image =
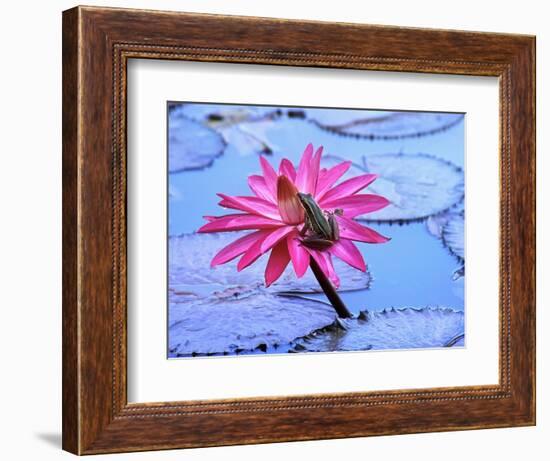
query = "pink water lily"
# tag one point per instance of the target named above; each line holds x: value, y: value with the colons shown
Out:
x: 277, y: 217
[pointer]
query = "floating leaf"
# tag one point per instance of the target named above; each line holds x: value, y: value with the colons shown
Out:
x: 191, y: 145
x: 436, y: 222
x: 233, y: 324
x: 191, y: 275
x: 249, y: 138
x: 453, y: 234
x: 222, y: 115
x: 417, y: 185
x: 244, y: 128
x: 406, y: 328
x: 336, y: 117
x: 449, y: 227
x: 382, y: 125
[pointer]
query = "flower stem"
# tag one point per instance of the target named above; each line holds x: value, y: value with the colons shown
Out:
x: 329, y: 290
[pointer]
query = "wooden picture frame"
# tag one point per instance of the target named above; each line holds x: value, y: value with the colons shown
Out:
x: 97, y: 43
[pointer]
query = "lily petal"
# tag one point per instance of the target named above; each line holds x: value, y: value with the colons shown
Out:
x: 303, y: 169
x: 356, y: 205
x: 352, y: 230
x: 253, y: 205
x: 278, y: 260
x: 349, y: 187
x: 313, y: 172
x: 258, y: 185
x: 319, y: 259
x: 275, y: 237
x: 287, y: 168
x: 348, y: 252
x: 332, y: 275
x: 325, y: 264
x: 236, y: 222
x: 237, y: 248
x: 298, y: 254
x: 290, y: 208
x: 270, y: 175
x: 252, y: 254
x: 327, y: 179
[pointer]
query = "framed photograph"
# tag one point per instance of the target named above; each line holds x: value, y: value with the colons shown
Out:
x: 284, y: 230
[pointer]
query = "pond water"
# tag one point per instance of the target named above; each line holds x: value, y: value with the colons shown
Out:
x: 414, y: 269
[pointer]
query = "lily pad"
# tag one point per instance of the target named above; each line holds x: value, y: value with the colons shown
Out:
x: 191, y: 275
x: 382, y: 125
x: 233, y: 324
x: 417, y: 185
x: 222, y: 115
x: 249, y: 138
x: 245, y: 128
x: 449, y: 227
x: 436, y: 222
x: 191, y: 145
x: 406, y: 328
x: 453, y: 235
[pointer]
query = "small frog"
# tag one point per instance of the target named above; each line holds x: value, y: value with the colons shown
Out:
x: 320, y: 229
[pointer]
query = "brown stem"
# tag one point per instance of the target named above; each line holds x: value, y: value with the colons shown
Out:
x: 329, y: 290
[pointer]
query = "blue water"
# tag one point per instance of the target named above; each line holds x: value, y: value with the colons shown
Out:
x: 413, y: 269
